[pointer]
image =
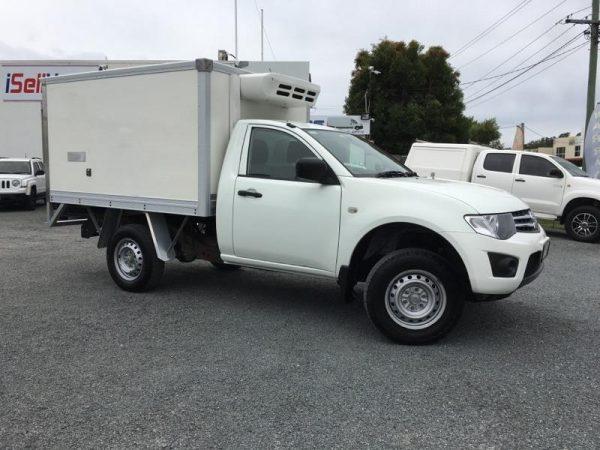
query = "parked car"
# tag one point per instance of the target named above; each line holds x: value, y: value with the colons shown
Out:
x: 22, y: 180
x: 200, y: 160
x: 552, y: 187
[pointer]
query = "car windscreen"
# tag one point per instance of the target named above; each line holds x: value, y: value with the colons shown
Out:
x: 361, y: 158
x: 569, y: 167
x: 15, y: 167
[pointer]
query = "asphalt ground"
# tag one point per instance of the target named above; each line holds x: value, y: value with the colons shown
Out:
x: 253, y: 359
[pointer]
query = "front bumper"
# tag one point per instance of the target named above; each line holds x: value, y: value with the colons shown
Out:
x: 13, y: 194
x: 530, y: 249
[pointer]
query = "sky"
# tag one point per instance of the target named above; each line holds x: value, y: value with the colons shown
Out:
x: 328, y: 34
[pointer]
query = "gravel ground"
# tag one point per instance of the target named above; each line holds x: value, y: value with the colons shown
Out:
x: 258, y: 359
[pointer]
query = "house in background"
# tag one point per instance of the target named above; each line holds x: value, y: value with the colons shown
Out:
x: 567, y: 147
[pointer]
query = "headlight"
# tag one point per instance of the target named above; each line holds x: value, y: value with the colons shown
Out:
x: 16, y: 183
x: 498, y: 226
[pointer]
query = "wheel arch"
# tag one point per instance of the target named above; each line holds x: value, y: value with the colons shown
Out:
x: 576, y: 203
x: 390, y: 237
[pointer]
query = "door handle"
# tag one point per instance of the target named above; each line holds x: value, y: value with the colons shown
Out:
x: 481, y: 176
x: 520, y: 180
x: 250, y: 193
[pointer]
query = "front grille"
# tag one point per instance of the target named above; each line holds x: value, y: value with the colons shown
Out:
x: 525, y: 221
x: 5, y: 184
x: 535, y: 260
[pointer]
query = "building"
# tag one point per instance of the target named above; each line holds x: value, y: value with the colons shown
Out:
x: 20, y: 94
x: 568, y: 147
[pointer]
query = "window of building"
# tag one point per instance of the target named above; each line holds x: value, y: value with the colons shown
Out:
x: 499, y: 162
x: 536, y: 166
x: 273, y: 154
x: 560, y: 152
x: 578, y: 150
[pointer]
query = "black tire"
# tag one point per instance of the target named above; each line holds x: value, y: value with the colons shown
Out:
x: 138, y: 241
x: 31, y: 200
x: 420, y: 269
x: 224, y: 266
x: 575, y: 220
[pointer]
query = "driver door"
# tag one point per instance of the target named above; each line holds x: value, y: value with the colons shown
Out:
x: 278, y: 218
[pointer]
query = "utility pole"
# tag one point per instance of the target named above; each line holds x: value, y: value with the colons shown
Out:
x: 519, y: 141
x: 262, y: 36
x: 591, y: 90
x: 235, y: 28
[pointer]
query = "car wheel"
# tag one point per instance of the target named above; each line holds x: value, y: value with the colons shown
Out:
x: 583, y: 224
x: 31, y: 200
x: 413, y: 296
x: 132, y: 260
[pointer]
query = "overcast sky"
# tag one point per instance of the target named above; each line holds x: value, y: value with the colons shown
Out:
x: 328, y: 33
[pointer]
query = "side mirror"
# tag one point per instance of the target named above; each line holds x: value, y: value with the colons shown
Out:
x: 556, y: 173
x: 313, y: 169
x: 39, y: 173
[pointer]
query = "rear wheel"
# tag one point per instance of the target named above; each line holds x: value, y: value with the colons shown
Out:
x: 413, y: 296
x: 132, y: 260
x: 583, y: 224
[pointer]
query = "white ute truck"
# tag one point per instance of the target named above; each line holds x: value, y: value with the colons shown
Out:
x: 553, y: 187
x: 201, y: 160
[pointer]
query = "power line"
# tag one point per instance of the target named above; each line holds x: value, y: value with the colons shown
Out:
x: 543, y: 60
x: 535, y: 132
x: 474, y: 95
x: 571, y: 52
x: 489, y: 29
x: 511, y: 71
x: 514, y: 34
x: 530, y: 43
x: 515, y: 69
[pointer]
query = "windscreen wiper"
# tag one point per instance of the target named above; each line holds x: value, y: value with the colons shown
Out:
x: 391, y: 174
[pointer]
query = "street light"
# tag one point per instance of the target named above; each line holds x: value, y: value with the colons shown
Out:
x: 372, y: 71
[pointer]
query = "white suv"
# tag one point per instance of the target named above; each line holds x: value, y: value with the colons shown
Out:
x: 22, y: 180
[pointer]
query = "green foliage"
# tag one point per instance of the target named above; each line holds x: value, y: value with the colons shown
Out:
x: 542, y: 142
x: 416, y: 95
x: 484, y: 132
x: 565, y: 134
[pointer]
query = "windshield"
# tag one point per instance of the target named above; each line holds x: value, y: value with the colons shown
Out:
x: 361, y: 158
x: 15, y: 167
x: 569, y: 167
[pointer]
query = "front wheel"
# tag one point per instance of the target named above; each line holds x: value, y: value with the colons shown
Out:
x: 31, y: 200
x: 132, y: 260
x: 583, y: 224
x: 413, y: 296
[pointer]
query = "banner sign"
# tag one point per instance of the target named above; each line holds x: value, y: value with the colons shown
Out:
x: 591, y: 146
x: 23, y: 83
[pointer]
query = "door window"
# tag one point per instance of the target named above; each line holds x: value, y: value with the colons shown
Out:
x: 273, y: 154
x: 536, y: 166
x: 499, y: 162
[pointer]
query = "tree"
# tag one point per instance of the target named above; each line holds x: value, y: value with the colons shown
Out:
x: 484, y: 132
x: 416, y: 95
